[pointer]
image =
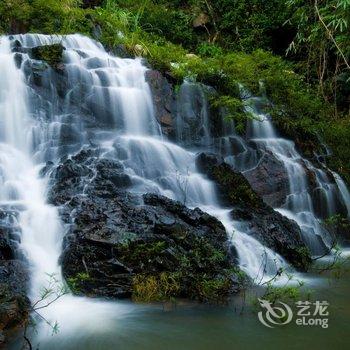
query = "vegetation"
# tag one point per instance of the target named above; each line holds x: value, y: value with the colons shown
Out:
x: 74, y: 283
x: 201, y: 273
x: 231, y: 42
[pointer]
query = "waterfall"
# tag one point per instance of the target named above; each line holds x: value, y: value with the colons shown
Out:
x: 307, y: 206
x: 105, y: 101
x: 21, y: 186
x: 344, y: 191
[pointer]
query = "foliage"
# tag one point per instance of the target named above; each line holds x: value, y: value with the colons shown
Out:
x: 201, y: 273
x: 50, y: 293
x: 323, y: 37
x: 74, y: 283
x: 148, y: 288
x: 305, y: 257
x: 335, y: 132
x: 232, y: 24
x: 284, y: 294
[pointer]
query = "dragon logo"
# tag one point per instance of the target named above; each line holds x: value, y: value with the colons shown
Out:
x: 274, y: 315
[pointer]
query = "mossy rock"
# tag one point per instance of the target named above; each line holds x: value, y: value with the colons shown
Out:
x: 51, y: 54
x: 181, y: 266
x: 234, y: 188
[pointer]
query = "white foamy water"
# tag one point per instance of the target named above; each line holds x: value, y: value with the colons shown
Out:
x: 124, y: 125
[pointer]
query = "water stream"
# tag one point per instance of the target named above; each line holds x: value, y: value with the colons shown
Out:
x: 125, y: 127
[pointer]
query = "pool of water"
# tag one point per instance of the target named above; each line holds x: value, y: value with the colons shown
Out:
x: 192, y: 326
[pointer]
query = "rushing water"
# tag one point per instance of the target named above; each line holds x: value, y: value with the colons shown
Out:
x: 123, y: 124
x: 307, y: 206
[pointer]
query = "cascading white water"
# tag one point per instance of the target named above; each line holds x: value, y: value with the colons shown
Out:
x: 20, y: 183
x: 344, y: 191
x: 23, y: 190
x: 299, y: 205
x: 126, y: 128
x: 153, y: 164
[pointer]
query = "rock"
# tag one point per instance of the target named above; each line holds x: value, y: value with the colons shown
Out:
x: 119, y: 242
x: 268, y: 226
x: 270, y: 180
x: 14, y: 304
x: 233, y: 188
x: 163, y: 100
x: 121, y: 51
x: 69, y: 134
x: 97, y: 32
x: 52, y: 54
x: 193, y: 120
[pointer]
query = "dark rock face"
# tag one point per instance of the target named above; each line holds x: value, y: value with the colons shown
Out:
x: 14, y: 304
x: 270, y: 180
x: 163, y: 100
x: 193, y: 120
x: 52, y: 54
x: 117, y: 241
x: 268, y: 226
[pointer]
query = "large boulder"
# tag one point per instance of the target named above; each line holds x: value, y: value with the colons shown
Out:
x: 265, y: 224
x: 121, y: 245
x: 270, y: 180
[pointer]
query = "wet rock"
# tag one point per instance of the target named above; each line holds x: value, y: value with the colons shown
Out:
x: 233, y: 188
x: 14, y: 304
x: 268, y: 226
x: 118, y: 241
x: 69, y: 134
x: 121, y: 51
x: 193, y: 119
x: 163, y: 100
x: 52, y: 54
x: 97, y: 32
x: 270, y: 180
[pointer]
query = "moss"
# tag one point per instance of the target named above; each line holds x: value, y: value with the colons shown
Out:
x: 214, y: 289
x: 189, y: 267
x: 305, y: 259
x: 75, y: 283
x: 237, y: 188
x: 142, y: 255
x: 52, y: 54
x: 167, y: 286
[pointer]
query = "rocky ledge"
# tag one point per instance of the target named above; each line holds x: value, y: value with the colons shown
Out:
x: 121, y: 245
x: 265, y: 224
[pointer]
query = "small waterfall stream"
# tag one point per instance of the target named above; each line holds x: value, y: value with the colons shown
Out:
x: 307, y: 206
